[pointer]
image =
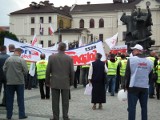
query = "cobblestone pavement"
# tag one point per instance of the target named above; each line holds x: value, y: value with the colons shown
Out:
x: 80, y: 108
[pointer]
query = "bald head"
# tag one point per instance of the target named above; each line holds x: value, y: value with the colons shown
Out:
x: 42, y: 56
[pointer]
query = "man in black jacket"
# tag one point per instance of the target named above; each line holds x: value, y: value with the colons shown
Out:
x: 3, y: 57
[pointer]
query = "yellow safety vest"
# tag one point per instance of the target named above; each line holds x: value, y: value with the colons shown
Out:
x: 112, y: 68
x: 123, y: 67
x: 158, y: 72
x: 118, y: 59
x: 85, y: 66
x: 28, y: 65
x: 152, y: 59
x: 41, y: 69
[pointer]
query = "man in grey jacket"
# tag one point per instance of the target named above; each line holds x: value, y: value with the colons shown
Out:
x: 59, y: 76
x: 15, y: 68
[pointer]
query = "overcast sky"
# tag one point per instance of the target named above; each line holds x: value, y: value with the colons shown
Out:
x: 8, y: 6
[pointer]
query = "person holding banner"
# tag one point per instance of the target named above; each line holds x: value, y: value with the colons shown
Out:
x: 41, y: 67
x: 97, y: 76
x: 59, y: 76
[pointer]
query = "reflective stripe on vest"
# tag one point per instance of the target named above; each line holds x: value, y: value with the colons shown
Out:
x: 41, y: 69
x: 123, y: 67
x: 85, y: 66
x: 112, y: 68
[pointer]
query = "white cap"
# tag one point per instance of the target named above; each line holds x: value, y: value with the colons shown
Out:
x: 137, y: 46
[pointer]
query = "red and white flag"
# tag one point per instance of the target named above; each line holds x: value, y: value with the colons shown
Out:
x: 111, y: 42
x: 51, y: 30
x: 34, y: 41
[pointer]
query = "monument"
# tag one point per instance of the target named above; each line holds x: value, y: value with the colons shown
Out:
x: 138, y: 26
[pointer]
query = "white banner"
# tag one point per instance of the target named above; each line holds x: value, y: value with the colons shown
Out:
x: 81, y: 56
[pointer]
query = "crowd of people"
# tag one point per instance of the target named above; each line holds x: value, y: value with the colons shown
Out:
x: 137, y: 74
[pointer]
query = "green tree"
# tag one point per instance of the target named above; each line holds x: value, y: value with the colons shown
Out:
x: 7, y: 34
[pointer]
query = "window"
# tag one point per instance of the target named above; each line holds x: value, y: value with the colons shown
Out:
x: 32, y: 31
x: 32, y: 20
x: 101, y: 37
x: 124, y: 36
x: 41, y: 42
x: 101, y: 23
x: 41, y: 20
x: 61, y: 24
x: 49, y: 43
x: 49, y: 19
x: 81, y: 23
x: 92, y: 23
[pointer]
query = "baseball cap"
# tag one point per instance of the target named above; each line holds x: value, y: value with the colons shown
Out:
x: 137, y: 46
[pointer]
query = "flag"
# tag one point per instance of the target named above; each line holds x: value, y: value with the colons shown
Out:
x: 111, y: 42
x: 40, y: 30
x: 34, y: 41
x: 51, y: 30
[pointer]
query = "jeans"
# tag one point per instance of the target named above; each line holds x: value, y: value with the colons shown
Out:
x: 10, y: 90
x: 111, y: 81
x: 132, y: 102
x: 151, y: 88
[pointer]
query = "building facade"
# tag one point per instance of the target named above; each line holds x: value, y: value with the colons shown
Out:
x: 89, y: 22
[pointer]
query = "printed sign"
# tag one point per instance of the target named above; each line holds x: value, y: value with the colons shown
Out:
x: 81, y: 56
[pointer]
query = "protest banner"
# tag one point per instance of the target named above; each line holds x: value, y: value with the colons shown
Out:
x: 81, y: 56
x: 119, y: 48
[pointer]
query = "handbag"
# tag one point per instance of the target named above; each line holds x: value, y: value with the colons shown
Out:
x: 88, y: 89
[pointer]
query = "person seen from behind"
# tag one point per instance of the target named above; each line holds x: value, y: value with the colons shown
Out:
x: 137, y: 76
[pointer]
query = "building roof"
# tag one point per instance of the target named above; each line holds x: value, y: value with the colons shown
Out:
x: 43, y: 7
x: 74, y: 30
x: 4, y: 28
x: 104, y: 7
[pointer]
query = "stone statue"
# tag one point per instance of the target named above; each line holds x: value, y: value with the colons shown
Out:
x: 138, y: 26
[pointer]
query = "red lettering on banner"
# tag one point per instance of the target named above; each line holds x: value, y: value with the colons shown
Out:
x: 84, y: 58
x: 26, y: 56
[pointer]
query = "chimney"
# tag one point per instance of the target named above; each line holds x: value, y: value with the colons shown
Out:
x: 88, y: 3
